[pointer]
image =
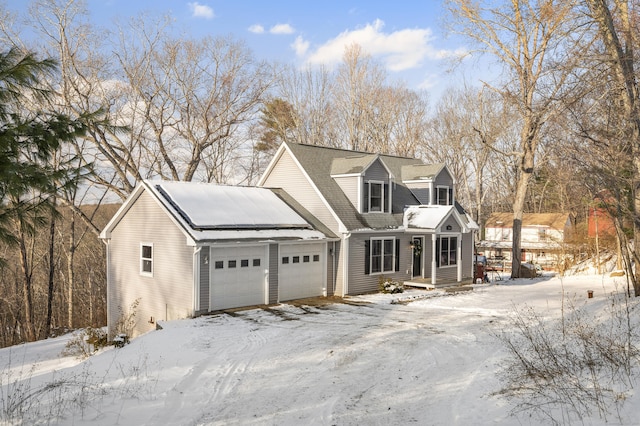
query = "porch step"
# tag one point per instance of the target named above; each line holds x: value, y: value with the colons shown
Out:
x: 426, y: 283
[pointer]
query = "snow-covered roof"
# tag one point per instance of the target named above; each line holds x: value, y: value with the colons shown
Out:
x: 427, y: 217
x: 209, y: 212
x: 208, y: 206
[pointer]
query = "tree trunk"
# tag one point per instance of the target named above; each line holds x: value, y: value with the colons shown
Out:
x: 52, y: 264
x: 27, y: 293
x: 70, y: 270
x: 523, y: 176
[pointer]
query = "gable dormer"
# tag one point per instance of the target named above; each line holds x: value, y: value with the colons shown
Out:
x: 366, y: 181
x: 431, y: 184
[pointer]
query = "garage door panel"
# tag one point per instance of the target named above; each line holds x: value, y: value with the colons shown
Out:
x: 237, y: 277
x: 301, y: 271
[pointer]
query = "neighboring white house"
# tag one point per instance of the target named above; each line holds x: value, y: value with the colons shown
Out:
x: 321, y: 222
x: 543, y: 235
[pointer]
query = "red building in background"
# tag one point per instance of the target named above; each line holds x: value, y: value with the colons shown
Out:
x: 600, y: 222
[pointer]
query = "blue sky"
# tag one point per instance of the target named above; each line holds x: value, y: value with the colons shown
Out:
x: 406, y: 36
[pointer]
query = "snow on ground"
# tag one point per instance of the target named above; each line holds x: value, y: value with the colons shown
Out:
x: 421, y: 357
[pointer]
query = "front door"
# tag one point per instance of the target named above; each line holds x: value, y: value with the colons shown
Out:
x: 417, y: 244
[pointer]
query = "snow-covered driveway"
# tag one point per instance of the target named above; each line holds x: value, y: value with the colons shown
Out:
x: 433, y: 361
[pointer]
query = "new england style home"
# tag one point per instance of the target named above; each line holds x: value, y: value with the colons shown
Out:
x: 320, y: 222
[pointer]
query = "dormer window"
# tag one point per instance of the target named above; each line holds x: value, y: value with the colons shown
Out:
x: 376, y: 196
x: 444, y: 196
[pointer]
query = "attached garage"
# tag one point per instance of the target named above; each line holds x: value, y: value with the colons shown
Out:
x: 238, y: 276
x: 302, y: 271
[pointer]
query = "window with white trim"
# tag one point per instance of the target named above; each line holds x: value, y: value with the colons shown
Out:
x: 381, y: 255
x: 146, y: 259
x: 447, y: 251
x: 444, y: 196
x: 376, y: 196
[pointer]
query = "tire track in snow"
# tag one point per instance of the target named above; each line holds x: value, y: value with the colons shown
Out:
x: 214, y: 408
x: 222, y: 381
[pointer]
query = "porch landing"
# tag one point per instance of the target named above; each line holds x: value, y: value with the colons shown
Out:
x: 427, y: 284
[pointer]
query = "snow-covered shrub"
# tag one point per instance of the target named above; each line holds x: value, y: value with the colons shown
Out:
x: 583, y: 365
x: 387, y: 285
x: 86, y: 342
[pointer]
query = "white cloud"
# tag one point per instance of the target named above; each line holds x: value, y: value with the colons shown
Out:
x: 201, y: 11
x: 282, y: 29
x: 256, y: 28
x: 399, y: 50
x: 300, y: 46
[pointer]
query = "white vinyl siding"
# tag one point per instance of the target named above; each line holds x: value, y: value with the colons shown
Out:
x: 349, y: 185
x: 166, y: 295
x: 287, y: 175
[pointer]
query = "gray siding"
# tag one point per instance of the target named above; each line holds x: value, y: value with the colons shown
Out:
x: 467, y: 256
x: 273, y: 273
x: 427, y: 252
x: 204, y: 279
x: 359, y: 282
x: 376, y: 171
x: 166, y: 295
x: 349, y: 186
x: 288, y: 176
x: 451, y: 221
x: 444, y: 179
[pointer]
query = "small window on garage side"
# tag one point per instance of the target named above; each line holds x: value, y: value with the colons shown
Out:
x: 146, y: 259
x: 232, y: 264
x: 285, y: 260
x: 219, y: 264
x: 244, y: 263
x: 316, y: 258
x: 296, y: 259
x: 256, y: 262
x: 305, y: 259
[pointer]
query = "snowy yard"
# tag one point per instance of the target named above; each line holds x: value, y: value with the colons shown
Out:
x: 432, y: 361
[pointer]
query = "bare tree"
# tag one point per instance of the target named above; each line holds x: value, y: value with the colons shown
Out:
x: 358, y: 79
x: 533, y: 42
x: 468, y: 131
x: 617, y: 30
x: 190, y: 100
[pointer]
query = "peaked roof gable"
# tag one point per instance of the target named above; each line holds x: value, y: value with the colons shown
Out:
x: 432, y: 217
x: 317, y: 163
x: 208, y: 212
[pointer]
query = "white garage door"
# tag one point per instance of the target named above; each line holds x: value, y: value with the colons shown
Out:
x: 238, y: 276
x: 301, y: 271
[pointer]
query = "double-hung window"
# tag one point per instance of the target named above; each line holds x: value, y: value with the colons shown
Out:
x: 376, y: 196
x: 447, y: 251
x: 444, y: 196
x: 381, y: 255
x: 146, y: 259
